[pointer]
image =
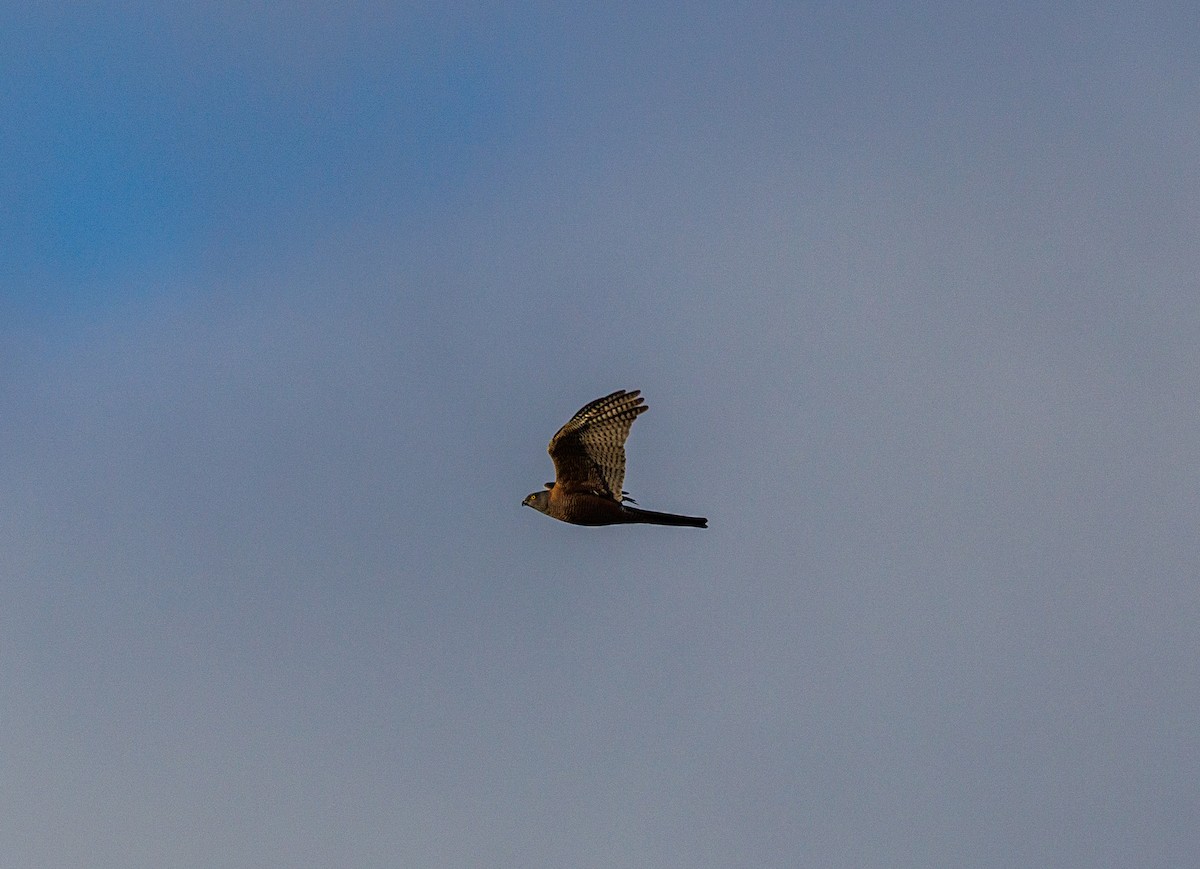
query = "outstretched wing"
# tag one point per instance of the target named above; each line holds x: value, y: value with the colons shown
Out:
x: 589, y: 451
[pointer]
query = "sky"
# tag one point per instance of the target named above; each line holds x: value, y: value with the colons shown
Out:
x: 292, y: 301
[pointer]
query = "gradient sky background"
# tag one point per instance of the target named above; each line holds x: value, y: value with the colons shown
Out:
x: 292, y: 302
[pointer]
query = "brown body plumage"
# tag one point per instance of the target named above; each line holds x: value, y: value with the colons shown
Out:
x: 589, y: 468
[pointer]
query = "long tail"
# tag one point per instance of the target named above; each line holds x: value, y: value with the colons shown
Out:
x: 650, y: 517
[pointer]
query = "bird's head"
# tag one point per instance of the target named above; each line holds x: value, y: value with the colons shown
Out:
x: 538, y: 501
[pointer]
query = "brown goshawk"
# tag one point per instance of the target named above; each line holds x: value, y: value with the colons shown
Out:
x: 589, y: 468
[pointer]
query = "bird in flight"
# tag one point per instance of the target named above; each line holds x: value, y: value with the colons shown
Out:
x: 589, y: 468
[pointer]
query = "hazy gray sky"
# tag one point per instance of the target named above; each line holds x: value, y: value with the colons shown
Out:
x: 292, y: 303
